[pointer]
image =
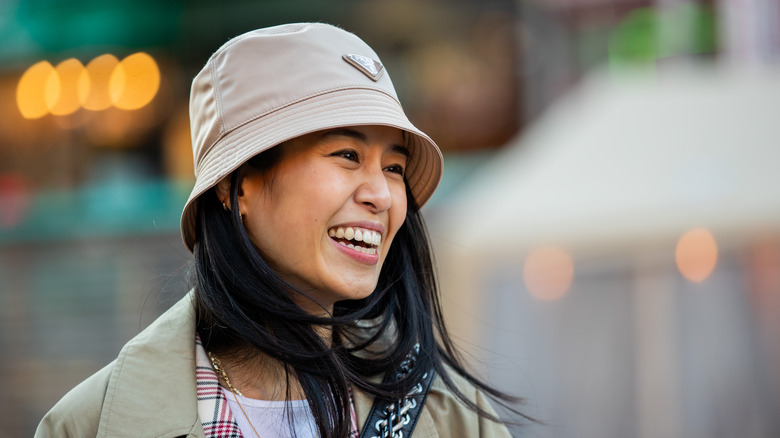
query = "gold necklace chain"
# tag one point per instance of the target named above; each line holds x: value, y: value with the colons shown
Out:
x: 218, y: 368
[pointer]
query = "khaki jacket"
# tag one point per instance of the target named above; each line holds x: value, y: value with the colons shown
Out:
x: 150, y: 391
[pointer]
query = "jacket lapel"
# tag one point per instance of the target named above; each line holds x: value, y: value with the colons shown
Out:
x: 152, y: 387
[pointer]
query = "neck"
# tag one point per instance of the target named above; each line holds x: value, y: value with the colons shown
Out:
x: 261, y: 378
x: 313, y: 308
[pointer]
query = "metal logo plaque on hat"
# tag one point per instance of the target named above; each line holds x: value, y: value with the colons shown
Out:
x: 371, y: 67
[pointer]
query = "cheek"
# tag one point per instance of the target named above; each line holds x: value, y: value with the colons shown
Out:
x: 259, y: 232
x: 399, y: 199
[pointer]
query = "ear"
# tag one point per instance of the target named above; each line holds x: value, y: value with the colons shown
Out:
x: 223, y: 191
x: 250, y: 192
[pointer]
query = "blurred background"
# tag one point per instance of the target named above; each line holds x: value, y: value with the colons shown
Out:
x: 607, y: 230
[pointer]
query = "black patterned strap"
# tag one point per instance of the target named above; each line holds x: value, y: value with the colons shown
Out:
x: 397, y: 419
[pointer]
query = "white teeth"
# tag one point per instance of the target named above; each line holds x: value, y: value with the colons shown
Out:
x: 356, y: 234
x: 358, y: 248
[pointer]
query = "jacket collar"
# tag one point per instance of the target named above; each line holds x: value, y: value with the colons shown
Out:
x: 153, y: 381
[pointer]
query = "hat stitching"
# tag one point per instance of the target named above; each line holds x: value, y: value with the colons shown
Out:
x: 310, y: 96
x: 258, y: 148
x: 228, y: 149
x: 227, y: 152
x: 225, y: 132
x: 217, y: 99
x: 238, y: 136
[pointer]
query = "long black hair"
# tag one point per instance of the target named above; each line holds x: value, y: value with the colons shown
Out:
x: 244, y: 308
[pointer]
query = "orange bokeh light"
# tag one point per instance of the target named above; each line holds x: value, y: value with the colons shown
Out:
x: 67, y: 100
x: 696, y: 254
x: 129, y: 85
x: 94, y: 82
x: 548, y: 273
x: 38, y: 85
x: 134, y: 82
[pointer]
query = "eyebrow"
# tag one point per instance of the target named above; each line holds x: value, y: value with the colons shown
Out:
x: 357, y: 135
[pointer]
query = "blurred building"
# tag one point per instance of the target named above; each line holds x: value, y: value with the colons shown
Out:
x: 95, y: 165
x: 626, y: 251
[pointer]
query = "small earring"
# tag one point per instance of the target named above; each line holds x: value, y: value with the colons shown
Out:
x: 224, y: 207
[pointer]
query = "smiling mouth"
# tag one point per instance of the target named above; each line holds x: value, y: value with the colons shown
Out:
x: 360, y: 239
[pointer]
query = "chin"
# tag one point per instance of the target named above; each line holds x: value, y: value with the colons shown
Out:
x: 356, y: 291
x: 344, y: 291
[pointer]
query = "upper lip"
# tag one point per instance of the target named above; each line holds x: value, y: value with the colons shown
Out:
x: 373, y: 226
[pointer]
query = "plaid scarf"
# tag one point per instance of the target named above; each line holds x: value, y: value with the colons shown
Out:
x: 213, y: 409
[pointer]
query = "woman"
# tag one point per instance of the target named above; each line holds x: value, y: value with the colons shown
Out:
x: 314, y: 295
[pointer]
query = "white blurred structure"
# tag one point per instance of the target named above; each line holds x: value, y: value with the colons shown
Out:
x: 611, y: 177
x: 749, y: 31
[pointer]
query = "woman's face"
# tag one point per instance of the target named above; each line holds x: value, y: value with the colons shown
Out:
x: 326, y: 214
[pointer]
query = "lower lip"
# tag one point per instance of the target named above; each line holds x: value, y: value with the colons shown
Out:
x: 369, y: 259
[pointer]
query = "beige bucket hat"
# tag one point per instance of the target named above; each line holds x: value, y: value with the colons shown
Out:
x: 274, y: 84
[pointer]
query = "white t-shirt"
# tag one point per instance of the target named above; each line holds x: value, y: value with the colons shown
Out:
x: 272, y: 418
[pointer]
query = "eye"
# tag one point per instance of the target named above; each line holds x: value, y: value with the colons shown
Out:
x: 396, y: 168
x: 348, y: 154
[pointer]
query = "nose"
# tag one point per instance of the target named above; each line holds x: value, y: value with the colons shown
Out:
x: 374, y: 190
